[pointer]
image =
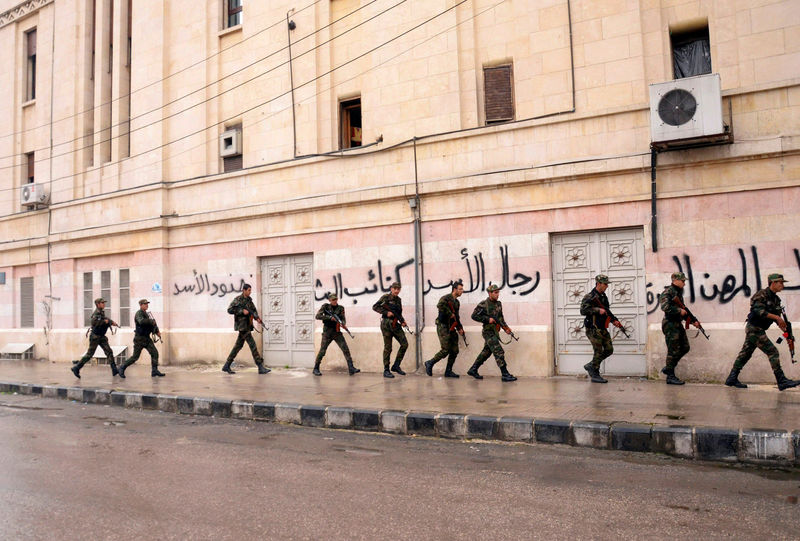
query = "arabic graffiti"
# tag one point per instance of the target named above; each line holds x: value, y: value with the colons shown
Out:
x: 724, y: 291
x: 204, y: 285
x: 519, y: 284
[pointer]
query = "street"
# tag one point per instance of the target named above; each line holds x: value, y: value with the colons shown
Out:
x: 72, y: 470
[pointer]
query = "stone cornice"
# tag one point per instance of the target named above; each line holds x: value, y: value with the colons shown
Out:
x: 21, y: 10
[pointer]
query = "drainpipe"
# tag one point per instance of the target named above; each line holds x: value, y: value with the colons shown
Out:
x: 653, y: 209
x: 290, y: 25
x: 419, y: 277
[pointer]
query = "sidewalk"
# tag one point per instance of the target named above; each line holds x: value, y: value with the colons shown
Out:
x: 695, y: 420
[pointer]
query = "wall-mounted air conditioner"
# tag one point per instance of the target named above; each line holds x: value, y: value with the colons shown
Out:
x: 32, y: 195
x: 230, y: 142
x: 686, y: 108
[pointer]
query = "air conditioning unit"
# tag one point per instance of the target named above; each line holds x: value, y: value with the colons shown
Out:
x: 34, y: 195
x: 686, y: 108
x: 230, y: 142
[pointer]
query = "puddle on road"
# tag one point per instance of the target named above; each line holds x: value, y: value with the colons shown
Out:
x: 670, y: 416
x: 36, y: 408
x: 106, y: 420
x: 359, y: 451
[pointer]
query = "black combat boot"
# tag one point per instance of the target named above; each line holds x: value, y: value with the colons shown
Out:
x: 396, y: 368
x: 387, y: 374
x: 506, y: 375
x: 783, y: 381
x: 448, y: 371
x: 733, y: 380
x: 76, y: 369
x: 352, y: 369
x: 227, y: 367
x: 473, y: 371
x: 154, y: 372
x: 429, y: 367
x: 114, y: 370
x: 594, y: 374
x: 316, y: 371
x: 672, y: 379
x: 121, y: 370
x: 264, y: 370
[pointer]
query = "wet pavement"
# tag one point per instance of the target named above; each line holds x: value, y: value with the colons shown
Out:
x: 628, y: 400
x: 86, y: 471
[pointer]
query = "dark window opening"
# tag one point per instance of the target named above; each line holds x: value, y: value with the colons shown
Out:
x: 29, y: 159
x: 88, y: 298
x: 498, y: 84
x: 26, y: 302
x: 350, y: 115
x: 30, y: 54
x: 124, y: 298
x: 691, y: 53
x: 233, y: 13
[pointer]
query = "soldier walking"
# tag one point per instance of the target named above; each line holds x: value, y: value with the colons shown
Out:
x: 448, y: 327
x: 765, y: 308
x: 331, y: 332
x: 672, y: 326
x: 97, y: 337
x: 490, y: 312
x: 244, y: 312
x: 596, y: 311
x: 390, y: 307
x: 145, y: 327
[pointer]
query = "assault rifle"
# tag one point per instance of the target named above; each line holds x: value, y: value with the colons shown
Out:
x: 397, y: 315
x: 456, y: 325
x: 690, y: 317
x: 339, y: 322
x: 788, y: 334
x: 154, y: 336
x: 498, y: 324
x: 610, y: 318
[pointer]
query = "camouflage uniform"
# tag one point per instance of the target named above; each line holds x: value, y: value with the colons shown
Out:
x: 391, y: 328
x: 595, y: 325
x: 672, y: 326
x: 486, y: 309
x: 244, y: 324
x: 762, y: 303
x: 331, y: 332
x: 448, y: 323
x: 97, y: 337
x: 145, y: 326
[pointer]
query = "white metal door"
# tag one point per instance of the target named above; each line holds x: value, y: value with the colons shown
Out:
x: 288, y: 305
x: 577, y: 259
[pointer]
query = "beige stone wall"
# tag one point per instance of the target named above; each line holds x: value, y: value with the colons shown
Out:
x: 190, y: 80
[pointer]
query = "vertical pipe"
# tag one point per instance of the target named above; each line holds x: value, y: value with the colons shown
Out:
x: 419, y: 298
x: 653, y: 209
x: 289, y: 26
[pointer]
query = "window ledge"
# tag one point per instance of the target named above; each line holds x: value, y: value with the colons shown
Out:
x: 29, y: 103
x: 231, y: 30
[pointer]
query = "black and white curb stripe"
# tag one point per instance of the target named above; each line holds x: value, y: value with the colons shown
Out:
x: 759, y: 446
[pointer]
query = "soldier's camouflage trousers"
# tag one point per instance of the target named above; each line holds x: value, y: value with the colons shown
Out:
x: 601, y: 342
x: 389, y: 331
x: 448, y: 340
x: 245, y: 336
x: 491, y: 346
x: 95, y: 341
x: 757, y: 338
x: 677, y: 342
x: 338, y: 337
x: 140, y: 343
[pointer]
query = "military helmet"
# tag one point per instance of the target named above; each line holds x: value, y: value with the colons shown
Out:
x: 678, y: 276
x: 602, y: 279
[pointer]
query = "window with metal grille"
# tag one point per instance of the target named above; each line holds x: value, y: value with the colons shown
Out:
x: 105, y: 288
x: 30, y: 55
x: 26, y: 302
x: 88, y: 300
x: 350, y: 120
x: 498, y: 91
x: 691, y: 53
x: 124, y: 298
x: 232, y: 163
x: 29, y: 161
x: 233, y: 13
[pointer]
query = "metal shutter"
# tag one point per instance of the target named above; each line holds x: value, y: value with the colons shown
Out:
x: 498, y: 93
x: 26, y: 302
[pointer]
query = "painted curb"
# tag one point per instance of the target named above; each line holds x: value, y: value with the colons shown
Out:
x: 757, y: 445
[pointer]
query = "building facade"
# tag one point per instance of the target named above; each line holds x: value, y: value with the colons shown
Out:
x: 177, y: 150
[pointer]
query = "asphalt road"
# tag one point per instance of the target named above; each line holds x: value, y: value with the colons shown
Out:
x: 70, y: 470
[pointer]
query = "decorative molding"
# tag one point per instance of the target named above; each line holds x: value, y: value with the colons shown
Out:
x: 21, y: 10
